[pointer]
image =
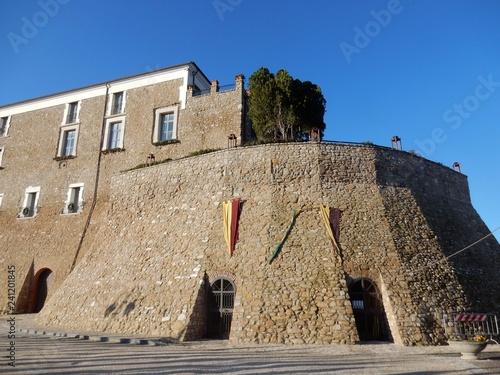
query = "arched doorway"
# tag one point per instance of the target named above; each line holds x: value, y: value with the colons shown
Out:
x: 221, y: 295
x: 368, y: 310
x: 42, y: 281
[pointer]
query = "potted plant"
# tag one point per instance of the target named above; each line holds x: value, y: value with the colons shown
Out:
x: 469, y: 345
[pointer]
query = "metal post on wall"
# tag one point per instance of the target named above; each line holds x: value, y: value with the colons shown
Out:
x: 150, y: 160
x: 396, y: 143
x: 231, y: 140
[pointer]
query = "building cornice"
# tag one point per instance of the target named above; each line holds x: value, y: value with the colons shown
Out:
x: 180, y: 71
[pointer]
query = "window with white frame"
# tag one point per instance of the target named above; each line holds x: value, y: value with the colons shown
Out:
x: 113, y: 134
x: 1, y: 199
x: 72, y: 113
x: 117, y: 103
x: 74, y: 199
x: 4, y: 126
x: 1, y: 156
x: 68, y: 140
x: 30, y: 204
x: 165, y: 127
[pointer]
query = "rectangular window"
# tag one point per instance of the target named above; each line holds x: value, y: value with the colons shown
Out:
x: 1, y: 199
x: 115, y: 135
x: 114, y: 131
x: 1, y: 156
x: 30, y: 205
x: 4, y: 126
x: 117, y: 104
x: 165, y: 126
x: 72, y: 116
x: 74, y: 200
x: 69, y: 142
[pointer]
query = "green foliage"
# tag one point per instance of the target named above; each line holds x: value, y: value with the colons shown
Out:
x: 144, y: 165
x: 201, y: 152
x: 283, y: 108
x: 166, y: 142
x: 194, y: 153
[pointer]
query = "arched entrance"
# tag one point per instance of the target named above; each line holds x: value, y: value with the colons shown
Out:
x: 368, y: 310
x: 42, y: 281
x: 221, y: 295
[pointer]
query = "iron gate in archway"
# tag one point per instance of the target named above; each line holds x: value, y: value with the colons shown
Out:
x: 220, y: 308
x: 368, y: 310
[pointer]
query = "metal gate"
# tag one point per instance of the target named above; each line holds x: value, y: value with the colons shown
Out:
x: 462, y: 325
x: 368, y: 310
x: 220, y: 308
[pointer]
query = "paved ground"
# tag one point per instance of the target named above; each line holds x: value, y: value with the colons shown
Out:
x: 42, y: 354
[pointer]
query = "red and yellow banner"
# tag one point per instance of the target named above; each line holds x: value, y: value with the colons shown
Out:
x: 231, y: 211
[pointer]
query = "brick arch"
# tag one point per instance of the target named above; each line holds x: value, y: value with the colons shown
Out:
x: 42, y: 281
x: 214, y: 275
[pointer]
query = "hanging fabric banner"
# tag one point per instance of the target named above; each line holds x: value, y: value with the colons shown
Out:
x: 280, y: 245
x: 230, y: 212
x: 331, y: 221
x: 335, y: 223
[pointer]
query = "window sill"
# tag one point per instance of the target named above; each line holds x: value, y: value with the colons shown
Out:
x: 112, y: 150
x: 113, y: 115
x: 167, y: 142
x: 26, y: 217
x: 71, y: 213
x: 61, y: 158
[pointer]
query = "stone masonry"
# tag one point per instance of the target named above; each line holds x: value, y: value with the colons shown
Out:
x: 55, y: 241
x: 145, y: 248
x: 160, y: 242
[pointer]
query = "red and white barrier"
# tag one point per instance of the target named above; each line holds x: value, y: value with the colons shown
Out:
x: 471, y: 317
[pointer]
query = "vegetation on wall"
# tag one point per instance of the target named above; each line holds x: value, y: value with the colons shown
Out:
x: 284, y: 108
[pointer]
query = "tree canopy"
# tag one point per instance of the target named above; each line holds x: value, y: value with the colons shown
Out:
x: 283, y: 108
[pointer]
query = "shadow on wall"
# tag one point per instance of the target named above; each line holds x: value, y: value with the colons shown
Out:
x: 23, y: 300
x: 124, y: 308
x: 42, y: 282
x: 197, y: 323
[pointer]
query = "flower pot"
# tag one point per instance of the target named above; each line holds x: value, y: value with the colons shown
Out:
x: 469, y: 349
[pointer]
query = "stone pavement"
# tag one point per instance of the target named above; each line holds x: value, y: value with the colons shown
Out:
x: 55, y: 354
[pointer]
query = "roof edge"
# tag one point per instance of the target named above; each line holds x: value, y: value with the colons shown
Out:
x: 114, y: 81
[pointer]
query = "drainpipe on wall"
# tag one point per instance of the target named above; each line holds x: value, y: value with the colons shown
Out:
x: 98, y: 169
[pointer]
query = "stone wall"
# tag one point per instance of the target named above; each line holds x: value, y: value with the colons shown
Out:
x: 160, y: 243
x: 55, y: 241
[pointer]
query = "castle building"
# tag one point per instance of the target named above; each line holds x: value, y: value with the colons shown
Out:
x: 131, y: 206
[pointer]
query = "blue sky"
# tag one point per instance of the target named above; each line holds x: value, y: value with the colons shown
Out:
x: 425, y: 70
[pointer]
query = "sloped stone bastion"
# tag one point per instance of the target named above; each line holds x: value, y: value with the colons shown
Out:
x: 154, y: 264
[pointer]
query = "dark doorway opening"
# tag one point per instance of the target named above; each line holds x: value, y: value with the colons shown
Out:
x: 43, y: 279
x: 221, y: 295
x: 368, y: 310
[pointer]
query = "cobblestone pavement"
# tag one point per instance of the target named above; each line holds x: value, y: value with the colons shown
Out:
x: 42, y: 354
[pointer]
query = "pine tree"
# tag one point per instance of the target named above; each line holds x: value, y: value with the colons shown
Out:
x: 283, y: 108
